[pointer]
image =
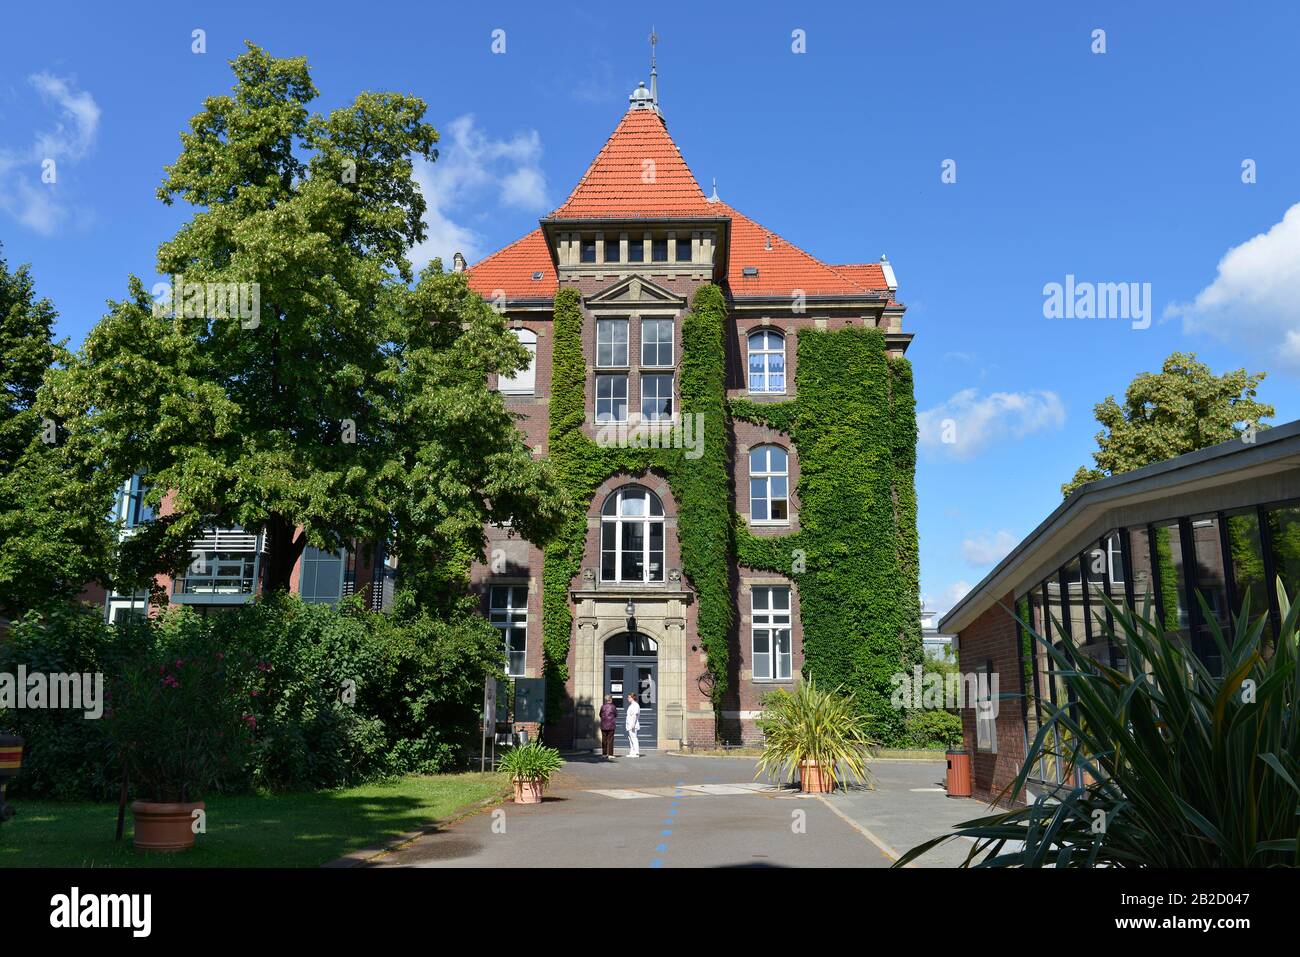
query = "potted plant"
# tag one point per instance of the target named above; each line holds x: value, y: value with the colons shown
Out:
x: 181, y: 727
x: 817, y: 733
x: 530, y: 767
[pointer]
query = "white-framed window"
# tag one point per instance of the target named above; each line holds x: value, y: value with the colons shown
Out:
x: 656, y: 397
x: 657, y: 342
x: 769, y: 484
x: 766, y: 361
x: 611, y: 398
x: 986, y: 738
x: 523, y: 382
x: 508, y: 612
x: 771, y: 632
x: 632, y: 536
x: 611, y: 343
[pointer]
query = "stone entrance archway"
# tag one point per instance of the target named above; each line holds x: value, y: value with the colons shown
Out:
x: 600, y: 614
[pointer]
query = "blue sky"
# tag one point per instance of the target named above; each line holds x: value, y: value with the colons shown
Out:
x: 1122, y: 166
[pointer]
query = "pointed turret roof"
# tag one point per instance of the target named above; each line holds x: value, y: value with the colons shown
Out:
x: 638, y: 173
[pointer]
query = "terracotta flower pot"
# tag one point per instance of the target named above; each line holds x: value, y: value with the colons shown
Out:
x: 529, y: 791
x: 164, y: 827
x: 812, y: 780
x: 11, y: 761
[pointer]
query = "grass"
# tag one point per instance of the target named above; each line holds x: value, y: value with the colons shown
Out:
x: 279, y: 830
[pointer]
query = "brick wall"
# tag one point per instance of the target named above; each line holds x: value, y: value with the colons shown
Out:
x: 994, y: 637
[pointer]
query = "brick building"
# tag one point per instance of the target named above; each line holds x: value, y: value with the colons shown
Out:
x: 636, y: 238
x: 1221, y: 522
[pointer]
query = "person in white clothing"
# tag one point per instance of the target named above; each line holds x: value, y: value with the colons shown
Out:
x: 632, y: 725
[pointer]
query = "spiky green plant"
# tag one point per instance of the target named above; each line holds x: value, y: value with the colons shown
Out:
x: 811, y: 725
x: 1184, y: 768
x: 530, y: 762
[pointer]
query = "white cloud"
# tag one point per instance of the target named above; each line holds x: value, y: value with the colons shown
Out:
x: 1255, y: 297
x: 471, y: 167
x: 24, y: 195
x: 984, y: 550
x: 951, y: 595
x: 967, y: 423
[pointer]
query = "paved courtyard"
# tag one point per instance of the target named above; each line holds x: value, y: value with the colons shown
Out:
x: 665, y: 810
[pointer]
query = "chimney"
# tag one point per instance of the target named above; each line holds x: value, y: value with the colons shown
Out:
x: 890, y: 280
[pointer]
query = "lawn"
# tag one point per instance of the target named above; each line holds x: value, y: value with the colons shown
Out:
x: 281, y: 830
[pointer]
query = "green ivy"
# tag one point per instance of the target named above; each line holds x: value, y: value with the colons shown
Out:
x: 701, y: 486
x: 855, y: 557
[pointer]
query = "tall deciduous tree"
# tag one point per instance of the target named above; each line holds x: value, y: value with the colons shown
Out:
x: 53, y: 529
x: 335, y: 402
x: 1182, y: 408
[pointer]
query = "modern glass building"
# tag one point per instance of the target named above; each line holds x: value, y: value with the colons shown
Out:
x: 1222, y: 523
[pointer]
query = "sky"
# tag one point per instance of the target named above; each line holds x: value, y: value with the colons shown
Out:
x: 990, y: 150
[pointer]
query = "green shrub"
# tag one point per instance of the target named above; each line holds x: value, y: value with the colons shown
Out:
x: 811, y: 725
x: 66, y: 755
x: 337, y: 696
x: 933, y: 729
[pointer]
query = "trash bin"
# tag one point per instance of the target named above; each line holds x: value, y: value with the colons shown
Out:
x: 959, y: 773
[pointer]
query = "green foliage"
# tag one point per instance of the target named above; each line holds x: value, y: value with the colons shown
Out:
x: 66, y: 755
x: 1183, y: 768
x: 180, y: 721
x: 811, y: 725
x: 350, y: 404
x: 701, y: 486
x: 332, y: 697
x: 931, y: 729
x: 52, y: 526
x: 530, y: 762
x: 855, y: 557
x: 1180, y: 409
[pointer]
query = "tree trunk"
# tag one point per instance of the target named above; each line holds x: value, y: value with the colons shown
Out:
x: 284, y: 545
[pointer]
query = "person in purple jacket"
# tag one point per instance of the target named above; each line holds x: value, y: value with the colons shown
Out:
x: 608, y: 717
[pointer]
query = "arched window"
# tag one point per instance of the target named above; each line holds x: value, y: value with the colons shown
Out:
x: 632, y: 536
x: 769, y: 482
x: 766, y: 361
x: 522, y: 382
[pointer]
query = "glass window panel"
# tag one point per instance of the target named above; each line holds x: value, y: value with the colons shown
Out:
x: 780, y: 597
x: 659, y: 250
x: 1247, y: 550
x: 683, y: 254
x: 635, y: 250
x: 588, y: 250
x: 781, y: 652
x: 612, y: 252
x: 1284, y: 525
x: 758, y: 500
x: 1173, y: 588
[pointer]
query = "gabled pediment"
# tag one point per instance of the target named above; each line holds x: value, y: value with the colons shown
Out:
x: 636, y: 291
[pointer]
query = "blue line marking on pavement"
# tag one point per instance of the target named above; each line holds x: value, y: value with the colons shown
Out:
x: 665, y: 833
x: 660, y: 848
x: 656, y: 863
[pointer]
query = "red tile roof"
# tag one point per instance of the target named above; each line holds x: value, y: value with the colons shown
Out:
x: 615, y: 186
x: 639, y: 172
x: 783, y: 268
x: 511, y: 270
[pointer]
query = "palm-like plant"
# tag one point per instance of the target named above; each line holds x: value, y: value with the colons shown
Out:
x: 807, y: 725
x: 1184, y: 768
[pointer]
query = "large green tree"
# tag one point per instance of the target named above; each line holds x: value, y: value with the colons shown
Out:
x: 1181, y: 408
x: 337, y: 402
x: 53, y: 530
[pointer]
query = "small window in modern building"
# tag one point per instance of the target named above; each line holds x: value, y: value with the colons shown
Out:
x: 523, y: 382
x: 659, y: 250
x: 766, y: 361
x: 321, y: 582
x: 771, y: 633
x: 508, y: 612
x: 656, y: 397
x: 769, y: 479
x: 986, y: 738
x: 588, y: 249
x: 657, y: 342
x: 611, y: 343
x: 611, y: 398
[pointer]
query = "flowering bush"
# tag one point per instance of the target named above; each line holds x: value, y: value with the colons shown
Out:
x: 182, y: 721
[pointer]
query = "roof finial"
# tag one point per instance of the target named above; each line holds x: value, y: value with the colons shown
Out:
x: 654, y: 74
x: 714, y: 198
